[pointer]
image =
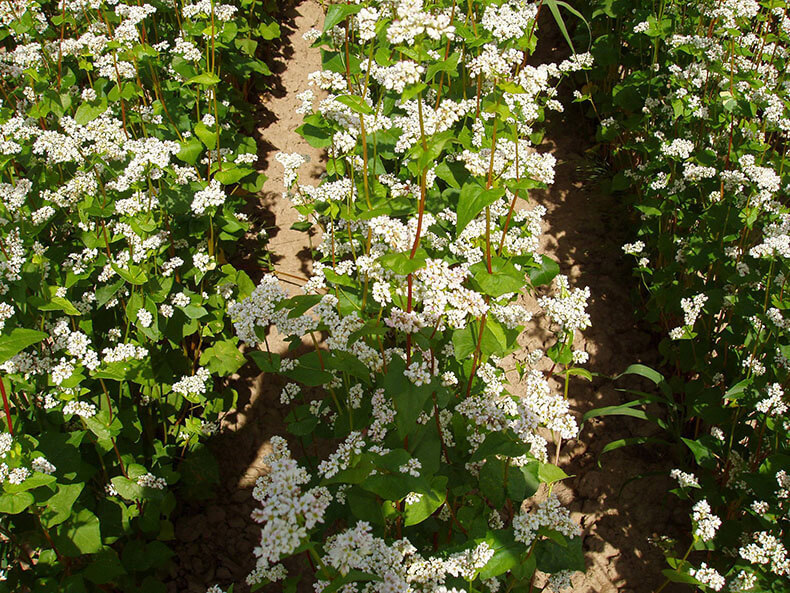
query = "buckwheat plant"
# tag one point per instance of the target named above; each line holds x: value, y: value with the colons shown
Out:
x: 122, y: 176
x: 428, y: 243
x: 698, y: 120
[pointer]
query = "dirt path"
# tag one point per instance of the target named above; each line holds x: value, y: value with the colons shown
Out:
x: 215, y: 538
x: 584, y: 234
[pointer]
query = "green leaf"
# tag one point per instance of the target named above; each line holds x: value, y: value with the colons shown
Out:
x: 34, y: 481
x: 621, y: 410
x: 13, y: 504
x: 549, y: 473
x: 60, y: 304
x: 583, y: 373
x: 543, y: 275
x: 643, y: 371
x: 449, y: 65
x: 554, y: 6
x: 232, y: 174
x: 205, y: 79
x: 432, y: 498
x: 126, y: 488
x: 87, y: 112
x: 315, y: 136
x: 737, y: 391
x: 223, y: 358
x: 268, y: 363
x: 492, y: 481
x: 412, y: 91
x: 190, y: 150
x: 105, y: 568
x: 18, y: 340
x: 80, y: 535
x: 675, y: 576
x: 269, y: 31
x: 310, y: 371
x: 553, y: 557
x: 102, y: 427
x: 408, y: 399
x: 498, y: 443
x: 464, y: 342
x: 472, y: 201
x: 508, y: 554
x: 134, y: 275
x: 402, y: 263
x: 59, y: 505
x: 337, y: 13
x: 356, y: 104
x: 206, y: 136
x: 505, y: 278
x: 702, y: 454
x: 627, y: 442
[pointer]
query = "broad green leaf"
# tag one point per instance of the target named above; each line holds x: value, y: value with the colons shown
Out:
x: 553, y: 557
x: 267, y: 362
x: 190, y: 150
x: 337, y: 13
x: 59, y: 304
x: 549, y: 473
x: 231, y: 174
x: 13, y: 504
x: 269, y: 31
x: 79, y: 535
x: 204, y: 79
x: 223, y: 358
x: 543, y: 275
x: 449, y: 65
x: 105, y: 567
x: 499, y: 443
x: 87, y: 112
x: 680, y: 576
x: 464, y: 341
x: 315, y: 136
x: 402, y: 263
x: 133, y: 275
x: 504, y: 277
x: 356, y: 104
x: 18, y: 340
x: 702, y: 454
x: 58, y: 507
x: 430, y: 499
x: 472, y: 201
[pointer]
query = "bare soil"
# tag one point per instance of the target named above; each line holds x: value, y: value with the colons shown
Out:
x: 584, y: 231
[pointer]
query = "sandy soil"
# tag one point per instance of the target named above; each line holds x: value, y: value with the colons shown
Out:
x: 584, y: 231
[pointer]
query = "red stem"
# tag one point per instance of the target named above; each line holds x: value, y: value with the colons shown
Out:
x: 7, y: 407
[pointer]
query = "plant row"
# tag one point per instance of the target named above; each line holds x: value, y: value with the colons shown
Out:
x: 439, y: 476
x: 122, y: 179
x: 693, y: 106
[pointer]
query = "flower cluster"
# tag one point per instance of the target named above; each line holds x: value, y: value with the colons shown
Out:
x: 428, y: 244
x: 699, y: 118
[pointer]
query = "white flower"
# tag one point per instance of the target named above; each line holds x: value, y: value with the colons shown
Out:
x: 40, y: 464
x: 708, y: 576
x: 144, y: 318
x: 210, y: 196
x: 685, y: 480
x: 706, y: 523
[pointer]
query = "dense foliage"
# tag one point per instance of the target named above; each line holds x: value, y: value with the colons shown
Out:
x: 693, y: 98
x: 430, y: 123
x: 120, y: 193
